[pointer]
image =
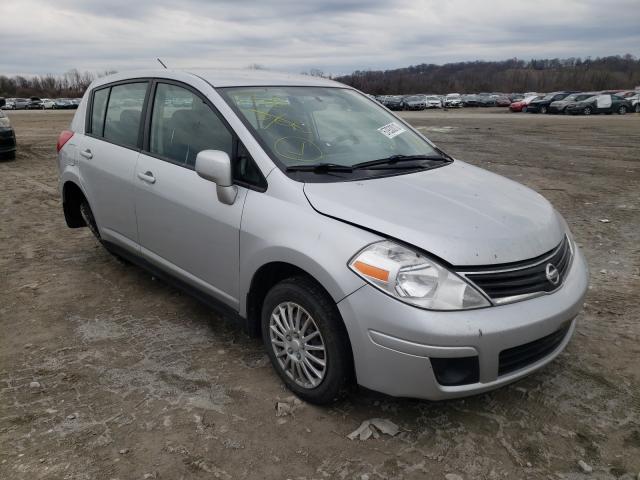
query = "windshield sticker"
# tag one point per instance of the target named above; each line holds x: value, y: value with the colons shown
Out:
x: 391, y: 130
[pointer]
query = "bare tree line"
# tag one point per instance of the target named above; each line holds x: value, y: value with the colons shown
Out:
x: 72, y: 84
x: 544, y: 75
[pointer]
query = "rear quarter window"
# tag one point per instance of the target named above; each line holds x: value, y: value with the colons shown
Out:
x: 99, y: 107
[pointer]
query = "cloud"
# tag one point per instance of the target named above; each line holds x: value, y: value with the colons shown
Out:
x: 332, y: 35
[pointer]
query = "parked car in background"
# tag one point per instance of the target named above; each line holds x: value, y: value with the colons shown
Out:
x: 394, y: 102
x: 522, y: 105
x: 48, y: 104
x: 62, y: 104
x: 559, y: 106
x: 503, y: 101
x: 516, y: 97
x: 542, y: 105
x: 415, y: 102
x: 632, y: 96
x: 635, y: 102
x: 470, y: 100
x: 453, y: 100
x: 433, y: 101
x: 7, y: 138
x: 35, y: 103
x: 20, y: 103
x: 9, y: 104
x: 601, y: 103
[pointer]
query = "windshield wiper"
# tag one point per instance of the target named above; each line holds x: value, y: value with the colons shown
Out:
x: 394, y: 159
x: 320, y: 168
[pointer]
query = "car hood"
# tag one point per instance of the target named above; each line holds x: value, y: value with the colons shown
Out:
x: 462, y: 214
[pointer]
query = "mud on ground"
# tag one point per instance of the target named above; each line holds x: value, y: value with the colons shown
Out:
x: 106, y: 373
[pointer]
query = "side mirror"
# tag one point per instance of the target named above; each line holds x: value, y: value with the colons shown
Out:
x: 215, y: 166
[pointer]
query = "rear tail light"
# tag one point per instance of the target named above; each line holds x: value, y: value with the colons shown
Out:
x: 63, y: 138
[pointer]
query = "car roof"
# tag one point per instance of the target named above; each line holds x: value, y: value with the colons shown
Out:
x: 226, y: 77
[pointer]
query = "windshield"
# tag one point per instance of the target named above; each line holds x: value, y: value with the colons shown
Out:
x: 549, y: 96
x: 312, y: 125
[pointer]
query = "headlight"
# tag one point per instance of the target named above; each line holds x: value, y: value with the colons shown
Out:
x: 413, y: 278
x: 4, y: 122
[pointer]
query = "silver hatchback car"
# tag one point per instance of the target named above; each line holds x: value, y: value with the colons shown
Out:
x: 318, y: 219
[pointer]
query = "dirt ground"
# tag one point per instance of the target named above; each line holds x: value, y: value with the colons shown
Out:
x: 106, y: 373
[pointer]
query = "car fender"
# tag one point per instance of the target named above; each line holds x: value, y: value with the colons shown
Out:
x: 280, y: 225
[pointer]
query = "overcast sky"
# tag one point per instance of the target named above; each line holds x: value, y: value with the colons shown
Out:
x: 336, y: 36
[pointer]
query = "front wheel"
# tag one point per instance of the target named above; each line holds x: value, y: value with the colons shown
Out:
x: 587, y: 111
x: 524, y: 109
x: 543, y: 109
x: 306, y: 340
x: 637, y: 109
x: 622, y: 110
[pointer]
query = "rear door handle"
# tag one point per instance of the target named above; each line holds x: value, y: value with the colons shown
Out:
x: 86, y: 154
x: 147, y: 177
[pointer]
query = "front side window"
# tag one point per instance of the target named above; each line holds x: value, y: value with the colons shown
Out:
x: 124, y: 112
x: 182, y: 125
x: 312, y: 125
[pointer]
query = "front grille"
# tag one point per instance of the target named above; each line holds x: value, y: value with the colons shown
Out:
x: 519, y: 357
x: 530, y: 277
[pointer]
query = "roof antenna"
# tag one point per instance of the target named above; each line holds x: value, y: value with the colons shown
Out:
x: 161, y: 62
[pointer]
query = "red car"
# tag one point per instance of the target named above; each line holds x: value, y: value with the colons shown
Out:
x: 521, y: 105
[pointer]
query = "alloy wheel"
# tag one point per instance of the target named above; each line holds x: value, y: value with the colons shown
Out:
x: 298, y: 344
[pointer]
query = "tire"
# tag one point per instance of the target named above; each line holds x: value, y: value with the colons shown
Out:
x: 543, y: 109
x: 587, y: 110
x: 524, y: 109
x: 637, y: 109
x: 89, y: 219
x: 622, y: 110
x: 302, y: 295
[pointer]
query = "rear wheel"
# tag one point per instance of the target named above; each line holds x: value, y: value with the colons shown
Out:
x: 524, y: 109
x: 622, y: 110
x: 306, y: 340
x: 89, y: 219
x: 587, y: 110
x: 637, y: 109
x: 543, y: 109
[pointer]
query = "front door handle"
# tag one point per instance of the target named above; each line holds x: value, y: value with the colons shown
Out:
x: 86, y: 154
x: 147, y: 177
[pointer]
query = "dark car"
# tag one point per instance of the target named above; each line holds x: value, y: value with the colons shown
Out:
x: 415, y: 102
x: 35, y: 104
x: 62, y: 104
x: 602, y: 103
x: 7, y: 138
x: 542, y: 105
x: 560, y: 106
x: 471, y: 100
x: 394, y: 102
x: 503, y: 101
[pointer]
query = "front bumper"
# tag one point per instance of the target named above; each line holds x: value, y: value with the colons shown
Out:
x: 393, y: 342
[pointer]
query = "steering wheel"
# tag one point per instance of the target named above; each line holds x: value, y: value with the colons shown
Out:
x: 345, y: 137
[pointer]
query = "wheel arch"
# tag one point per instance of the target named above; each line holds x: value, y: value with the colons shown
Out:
x: 72, y: 197
x: 269, y: 274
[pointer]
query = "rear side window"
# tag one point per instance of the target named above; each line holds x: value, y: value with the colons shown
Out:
x: 100, y: 98
x: 124, y: 112
x: 182, y: 125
